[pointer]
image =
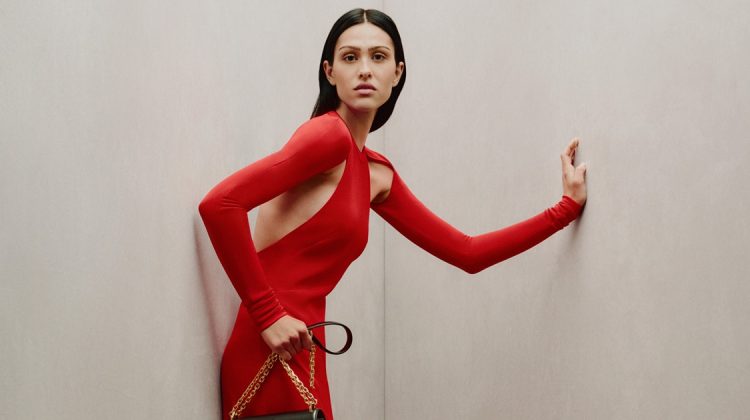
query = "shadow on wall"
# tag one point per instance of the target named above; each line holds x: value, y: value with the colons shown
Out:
x: 220, y: 302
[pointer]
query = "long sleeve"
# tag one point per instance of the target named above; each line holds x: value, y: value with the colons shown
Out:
x: 402, y: 210
x: 317, y: 145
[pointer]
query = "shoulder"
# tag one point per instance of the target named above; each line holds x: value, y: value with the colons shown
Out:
x: 317, y: 145
x: 326, y: 132
x: 377, y: 157
x: 382, y: 173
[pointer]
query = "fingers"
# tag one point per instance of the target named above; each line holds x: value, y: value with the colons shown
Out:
x: 567, y: 157
x: 295, y: 344
x: 287, y: 337
x: 581, y: 170
x: 307, y: 340
x: 288, y: 351
x: 285, y: 355
x: 571, y: 148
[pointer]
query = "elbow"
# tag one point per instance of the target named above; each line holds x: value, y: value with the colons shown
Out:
x: 471, y: 268
x: 468, y: 260
x: 207, y: 207
x: 218, y: 203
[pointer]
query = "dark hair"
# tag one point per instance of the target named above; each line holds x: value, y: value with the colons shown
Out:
x: 328, y: 99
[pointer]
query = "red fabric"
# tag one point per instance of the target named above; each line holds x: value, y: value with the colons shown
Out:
x: 402, y: 210
x: 295, y: 274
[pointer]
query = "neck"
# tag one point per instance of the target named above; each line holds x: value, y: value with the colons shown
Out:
x: 359, y: 123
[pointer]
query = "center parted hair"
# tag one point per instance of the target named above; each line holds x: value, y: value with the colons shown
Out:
x: 328, y: 99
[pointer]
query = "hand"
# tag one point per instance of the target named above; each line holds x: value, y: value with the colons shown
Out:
x: 574, y: 179
x: 287, y: 336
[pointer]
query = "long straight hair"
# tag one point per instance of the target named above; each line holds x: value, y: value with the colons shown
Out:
x: 328, y: 99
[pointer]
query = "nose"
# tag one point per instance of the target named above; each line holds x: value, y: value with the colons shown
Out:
x: 364, y: 71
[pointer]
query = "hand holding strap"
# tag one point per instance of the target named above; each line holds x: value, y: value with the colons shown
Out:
x: 309, y: 398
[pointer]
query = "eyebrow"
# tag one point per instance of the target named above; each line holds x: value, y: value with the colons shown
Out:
x: 356, y: 48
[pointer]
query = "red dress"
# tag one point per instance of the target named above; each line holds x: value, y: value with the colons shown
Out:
x: 295, y: 274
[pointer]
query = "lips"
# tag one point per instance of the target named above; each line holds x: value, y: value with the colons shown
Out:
x: 364, y: 86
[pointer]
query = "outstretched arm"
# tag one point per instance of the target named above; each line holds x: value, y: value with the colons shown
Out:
x: 402, y: 210
x: 317, y: 145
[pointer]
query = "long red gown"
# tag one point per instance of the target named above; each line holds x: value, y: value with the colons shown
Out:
x: 295, y: 274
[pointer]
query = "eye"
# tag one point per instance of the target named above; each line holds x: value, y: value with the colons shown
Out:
x: 380, y: 55
x: 347, y: 56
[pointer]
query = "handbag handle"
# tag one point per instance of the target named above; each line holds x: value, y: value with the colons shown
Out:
x: 319, y: 344
x: 309, y: 398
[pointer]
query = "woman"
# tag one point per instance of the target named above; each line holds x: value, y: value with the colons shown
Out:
x: 316, y: 192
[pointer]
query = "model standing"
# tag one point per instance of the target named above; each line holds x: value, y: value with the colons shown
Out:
x: 315, y: 196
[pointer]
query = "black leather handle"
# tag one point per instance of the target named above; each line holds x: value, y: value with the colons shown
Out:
x: 319, y: 344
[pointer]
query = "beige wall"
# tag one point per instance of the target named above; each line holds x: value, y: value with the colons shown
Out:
x: 116, y: 117
x: 639, y: 309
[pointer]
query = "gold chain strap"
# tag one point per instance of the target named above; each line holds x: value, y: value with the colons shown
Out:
x: 251, y: 389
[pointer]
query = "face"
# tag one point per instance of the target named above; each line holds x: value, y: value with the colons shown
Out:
x: 364, y: 53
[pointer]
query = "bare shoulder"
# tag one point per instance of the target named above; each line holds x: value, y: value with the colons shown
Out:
x: 381, y: 178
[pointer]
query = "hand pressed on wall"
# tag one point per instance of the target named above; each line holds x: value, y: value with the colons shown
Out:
x: 574, y: 178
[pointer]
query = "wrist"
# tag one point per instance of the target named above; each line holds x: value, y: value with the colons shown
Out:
x: 571, y: 207
x: 570, y: 199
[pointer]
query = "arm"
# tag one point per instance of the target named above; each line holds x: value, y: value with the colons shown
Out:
x: 402, y: 210
x: 317, y: 145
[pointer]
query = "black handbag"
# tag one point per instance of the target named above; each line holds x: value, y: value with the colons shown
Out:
x: 316, y: 414
x: 312, y: 413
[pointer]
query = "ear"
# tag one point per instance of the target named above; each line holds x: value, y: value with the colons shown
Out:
x: 399, y: 72
x: 328, y: 70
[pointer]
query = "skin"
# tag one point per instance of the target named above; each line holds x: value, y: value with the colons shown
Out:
x: 363, y: 53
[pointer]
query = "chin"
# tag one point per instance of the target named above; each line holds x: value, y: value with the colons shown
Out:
x: 364, y: 105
